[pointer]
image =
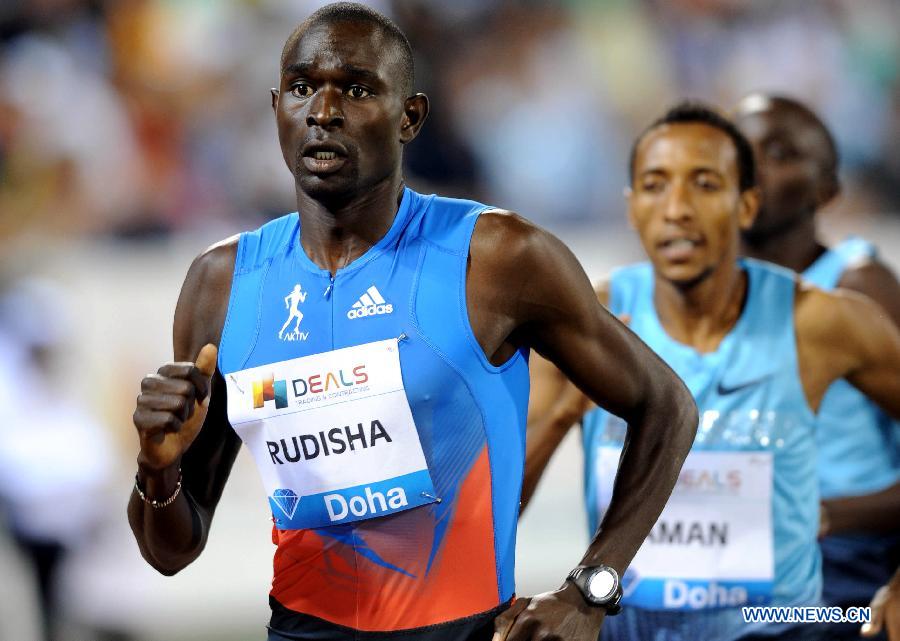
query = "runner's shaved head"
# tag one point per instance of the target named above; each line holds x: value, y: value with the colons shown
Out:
x: 353, y: 12
x: 789, y: 110
x: 797, y: 162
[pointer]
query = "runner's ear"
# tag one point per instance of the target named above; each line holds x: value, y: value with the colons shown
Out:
x: 629, y: 196
x: 749, y: 206
x: 415, y: 111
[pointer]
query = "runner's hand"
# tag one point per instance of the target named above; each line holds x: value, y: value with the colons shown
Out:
x: 171, y: 408
x: 885, y: 612
x: 562, y: 615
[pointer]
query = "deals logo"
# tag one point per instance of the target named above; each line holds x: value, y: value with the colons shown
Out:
x: 709, y: 481
x: 310, y: 389
x: 268, y: 389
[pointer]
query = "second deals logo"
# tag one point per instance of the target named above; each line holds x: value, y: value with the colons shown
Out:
x: 268, y: 389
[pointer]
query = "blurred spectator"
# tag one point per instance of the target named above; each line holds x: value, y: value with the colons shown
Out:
x: 138, y: 117
x: 69, y: 161
x: 526, y: 103
x: 55, y: 459
x: 150, y: 119
x: 440, y: 160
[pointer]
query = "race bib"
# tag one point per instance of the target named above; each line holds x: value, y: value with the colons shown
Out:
x: 712, y: 545
x: 332, y: 435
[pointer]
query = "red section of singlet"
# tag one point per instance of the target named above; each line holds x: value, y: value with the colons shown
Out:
x: 338, y: 580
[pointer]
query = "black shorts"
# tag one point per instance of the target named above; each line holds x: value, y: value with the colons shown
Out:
x: 287, y: 625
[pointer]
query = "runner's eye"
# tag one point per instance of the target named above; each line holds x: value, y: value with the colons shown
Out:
x: 777, y: 150
x: 301, y: 90
x: 357, y: 91
x: 708, y: 183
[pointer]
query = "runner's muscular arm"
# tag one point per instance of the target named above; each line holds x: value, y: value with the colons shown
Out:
x: 876, y: 281
x: 173, y: 536
x: 842, y: 334
x: 878, y: 512
x: 540, y: 293
x: 535, y: 293
x: 554, y: 407
x: 868, y: 512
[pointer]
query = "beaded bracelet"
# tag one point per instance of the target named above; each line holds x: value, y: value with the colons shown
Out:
x: 154, y: 503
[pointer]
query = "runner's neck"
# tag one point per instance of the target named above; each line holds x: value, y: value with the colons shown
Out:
x: 335, y: 234
x: 795, y: 248
x: 702, y: 315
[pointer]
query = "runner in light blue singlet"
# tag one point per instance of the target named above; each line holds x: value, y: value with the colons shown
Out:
x: 859, y: 453
x: 738, y: 533
x: 750, y: 400
x: 798, y: 160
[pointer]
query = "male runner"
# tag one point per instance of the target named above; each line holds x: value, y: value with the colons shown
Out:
x: 859, y: 451
x: 758, y: 350
x: 390, y: 433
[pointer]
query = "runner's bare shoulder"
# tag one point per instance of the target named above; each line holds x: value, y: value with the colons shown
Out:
x: 502, y: 228
x: 203, y: 302
x: 876, y: 280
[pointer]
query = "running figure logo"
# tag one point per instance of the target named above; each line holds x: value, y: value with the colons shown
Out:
x: 291, y: 303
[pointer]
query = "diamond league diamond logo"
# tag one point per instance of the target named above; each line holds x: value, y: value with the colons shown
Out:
x: 286, y: 500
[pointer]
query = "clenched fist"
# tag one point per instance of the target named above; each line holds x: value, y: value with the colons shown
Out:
x: 171, y: 408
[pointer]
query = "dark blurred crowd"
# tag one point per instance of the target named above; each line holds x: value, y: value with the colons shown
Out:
x: 144, y: 117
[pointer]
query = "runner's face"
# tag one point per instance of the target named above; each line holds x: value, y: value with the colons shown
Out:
x: 686, y: 203
x: 339, y: 110
x: 790, y: 155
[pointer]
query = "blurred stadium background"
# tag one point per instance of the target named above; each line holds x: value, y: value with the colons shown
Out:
x: 133, y: 133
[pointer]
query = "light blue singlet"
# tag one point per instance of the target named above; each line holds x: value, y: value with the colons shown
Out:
x: 750, y: 400
x: 859, y: 453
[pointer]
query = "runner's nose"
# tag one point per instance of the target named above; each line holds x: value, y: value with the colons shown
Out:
x: 325, y: 110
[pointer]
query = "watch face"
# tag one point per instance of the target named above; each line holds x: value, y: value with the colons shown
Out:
x: 601, y: 585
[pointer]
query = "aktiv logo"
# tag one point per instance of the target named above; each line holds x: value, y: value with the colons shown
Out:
x: 268, y: 389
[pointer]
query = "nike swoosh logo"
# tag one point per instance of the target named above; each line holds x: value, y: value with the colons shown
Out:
x: 722, y: 390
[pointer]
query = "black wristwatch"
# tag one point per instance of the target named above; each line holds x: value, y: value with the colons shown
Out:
x: 599, y: 585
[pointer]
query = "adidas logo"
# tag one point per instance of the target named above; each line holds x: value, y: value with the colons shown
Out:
x: 371, y: 303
